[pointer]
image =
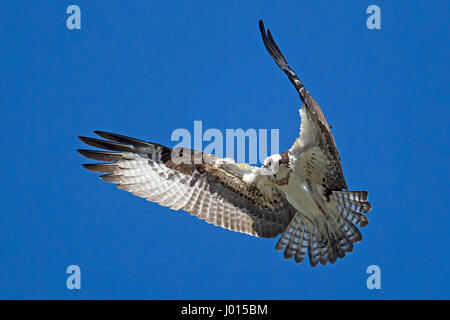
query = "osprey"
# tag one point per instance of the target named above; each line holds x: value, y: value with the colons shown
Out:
x: 300, y: 194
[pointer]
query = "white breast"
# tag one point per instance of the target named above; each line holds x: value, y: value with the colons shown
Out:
x: 300, y: 197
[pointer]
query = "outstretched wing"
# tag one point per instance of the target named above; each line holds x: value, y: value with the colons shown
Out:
x: 316, y: 143
x: 208, y: 187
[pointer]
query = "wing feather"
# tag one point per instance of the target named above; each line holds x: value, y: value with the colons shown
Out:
x: 329, y: 231
x: 315, y: 130
x: 216, y: 193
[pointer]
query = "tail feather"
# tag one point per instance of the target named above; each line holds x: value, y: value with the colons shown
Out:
x: 314, y: 251
x: 286, y: 237
x: 351, y: 206
x: 349, y: 230
x: 360, y: 196
x: 334, y: 250
x: 353, y: 217
x: 295, y: 239
x: 294, y: 242
x: 301, y: 237
x: 325, y: 251
x: 345, y: 244
x: 334, y: 240
x: 304, y: 241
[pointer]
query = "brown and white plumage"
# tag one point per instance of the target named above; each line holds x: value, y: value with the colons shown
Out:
x: 324, y: 223
x: 206, y: 186
x: 300, y: 194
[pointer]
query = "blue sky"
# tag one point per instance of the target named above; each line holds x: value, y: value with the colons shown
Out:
x: 145, y: 68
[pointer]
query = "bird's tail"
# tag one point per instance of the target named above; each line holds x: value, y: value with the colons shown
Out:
x: 331, y: 242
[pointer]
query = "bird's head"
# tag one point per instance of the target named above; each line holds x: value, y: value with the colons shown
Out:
x: 272, y: 164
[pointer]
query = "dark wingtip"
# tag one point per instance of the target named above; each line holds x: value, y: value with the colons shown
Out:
x: 272, y: 47
x: 100, y: 167
x: 275, y: 52
x: 101, y: 132
x: 82, y: 152
x: 105, y: 134
x: 103, y: 144
x: 83, y: 138
x: 122, y: 139
x: 261, y: 26
x: 100, y: 155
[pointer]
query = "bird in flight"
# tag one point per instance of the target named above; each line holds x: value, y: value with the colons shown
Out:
x: 300, y: 194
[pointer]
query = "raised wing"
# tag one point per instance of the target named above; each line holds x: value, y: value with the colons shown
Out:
x: 316, y: 143
x: 208, y: 187
x: 325, y: 229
